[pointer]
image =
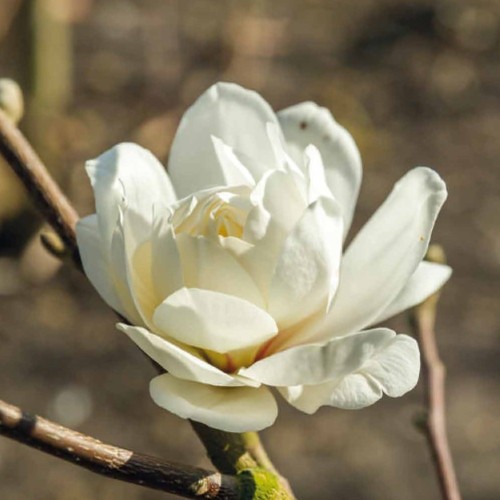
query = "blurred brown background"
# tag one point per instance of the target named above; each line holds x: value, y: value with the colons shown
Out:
x: 416, y: 82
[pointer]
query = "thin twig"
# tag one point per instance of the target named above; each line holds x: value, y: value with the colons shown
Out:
x: 114, y: 462
x: 423, y: 318
x: 42, y: 189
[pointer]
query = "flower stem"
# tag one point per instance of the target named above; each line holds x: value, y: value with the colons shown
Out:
x: 234, y: 453
x: 226, y: 450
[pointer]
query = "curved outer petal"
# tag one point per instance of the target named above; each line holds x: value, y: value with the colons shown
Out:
x: 96, y: 262
x: 137, y: 262
x: 392, y: 369
x: 307, y: 268
x: 236, y: 116
x: 307, y: 123
x: 106, y: 266
x: 385, y: 253
x: 122, y: 175
x: 213, y: 320
x: 166, y: 268
x: 119, y: 178
x: 178, y: 361
x: 426, y: 280
x: 314, y: 364
x: 231, y: 409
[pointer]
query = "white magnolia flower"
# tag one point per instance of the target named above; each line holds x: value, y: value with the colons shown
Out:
x: 231, y: 268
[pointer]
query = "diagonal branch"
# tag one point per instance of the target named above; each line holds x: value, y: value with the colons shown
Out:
x: 42, y: 189
x: 114, y: 462
x: 423, y: 318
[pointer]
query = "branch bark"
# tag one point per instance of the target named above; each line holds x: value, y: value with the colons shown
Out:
x: 114, y: 462
x: 43, y: 191
x: 423, y: 318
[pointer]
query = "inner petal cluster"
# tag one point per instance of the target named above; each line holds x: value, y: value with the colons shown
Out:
x: 222, y: 213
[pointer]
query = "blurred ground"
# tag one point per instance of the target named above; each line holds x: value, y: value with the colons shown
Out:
x: 415, y: 82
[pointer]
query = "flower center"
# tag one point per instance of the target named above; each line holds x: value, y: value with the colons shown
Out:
x: 218, y: 214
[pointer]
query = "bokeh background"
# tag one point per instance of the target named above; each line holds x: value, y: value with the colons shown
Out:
x: 416, y: 83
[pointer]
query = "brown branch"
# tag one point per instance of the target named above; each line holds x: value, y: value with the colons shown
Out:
x: 44, y: 192
x: 114, y: 462
x: 423, y: 318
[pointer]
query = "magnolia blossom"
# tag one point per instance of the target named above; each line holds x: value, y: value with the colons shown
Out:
x: 231, y: 269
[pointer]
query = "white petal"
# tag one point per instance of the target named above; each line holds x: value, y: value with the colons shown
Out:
x: 307, y: 269
x: 236, y: 116
x: 385, y: 253
x: 177, y: 360
x: 253, y: 165
x: 277, y: 195
x: 137, y: 263
x: 214, y: 321
x: 120, y: 268
x: 316, y: 175
x: 105, y: 266
x: 96, y: 262
x: 234, y: 172
x: 124, y: 174
x: 353, y: 392
x: 231, y: 409
x: 282, y: 159
x: 278, y: 206
x: 208, y: 266
x: 166, y: 266
x: 235, y: 246
x: 314, y: 364
x: 307, y: 123
x: 391, y: 370
x: 119, y: 178
x: 426, y: 280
